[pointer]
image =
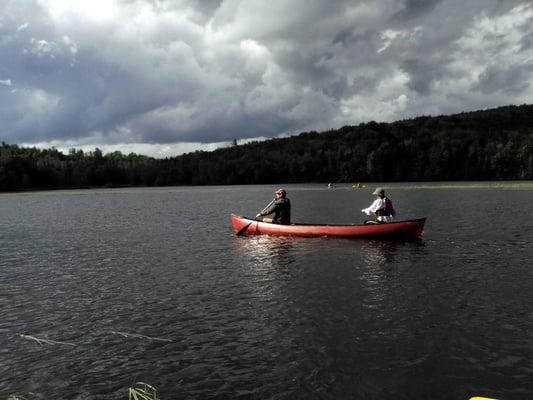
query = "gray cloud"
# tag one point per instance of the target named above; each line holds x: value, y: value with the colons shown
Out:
x: 512, y: 81
x: 416, y: 8
x: 193, y: 71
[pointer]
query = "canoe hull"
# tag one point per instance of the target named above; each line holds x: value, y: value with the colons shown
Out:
x: 405, y: 229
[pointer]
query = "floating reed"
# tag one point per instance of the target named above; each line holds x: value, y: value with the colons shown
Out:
x: 138, y: 336
x: 45, y: 341
x: 35, y: 396
x: 142, y: 391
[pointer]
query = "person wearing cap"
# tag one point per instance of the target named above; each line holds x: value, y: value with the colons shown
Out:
x: 280, y: 207
x: 381, y: 207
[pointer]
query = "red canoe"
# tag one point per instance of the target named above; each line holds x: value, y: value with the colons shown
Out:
x: 406, y: 229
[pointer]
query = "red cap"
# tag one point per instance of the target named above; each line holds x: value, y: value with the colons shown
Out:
x: 283, y: 192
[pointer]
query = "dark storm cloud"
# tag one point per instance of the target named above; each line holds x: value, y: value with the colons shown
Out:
x: 512, y: 81
x: 422, y: 72
x: 416, y: 8
x: 163, y: 72
x: 206, y: 7
x: 420, y: 75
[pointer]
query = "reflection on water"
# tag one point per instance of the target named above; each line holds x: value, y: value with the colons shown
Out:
x: 332, y: 304
x: 372, y: 257
x: 378, y: 253
x: 265, y: 250
x: 298, y: 269
x: 382, y: 252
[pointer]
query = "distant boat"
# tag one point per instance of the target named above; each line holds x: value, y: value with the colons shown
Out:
x: 405, y: 229
x: 330, y: 186
x: 358, y: 186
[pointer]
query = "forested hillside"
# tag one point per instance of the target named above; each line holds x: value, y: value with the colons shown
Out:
x: 492, y: 144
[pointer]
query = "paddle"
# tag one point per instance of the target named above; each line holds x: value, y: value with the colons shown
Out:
x: 245, y: 228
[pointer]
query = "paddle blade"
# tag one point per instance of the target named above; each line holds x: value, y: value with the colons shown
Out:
x: 241, y: 231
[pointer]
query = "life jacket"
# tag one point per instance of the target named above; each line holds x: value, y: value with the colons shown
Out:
x: 387, y: 210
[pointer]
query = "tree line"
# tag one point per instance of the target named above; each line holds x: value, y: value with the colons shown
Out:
x: 495, y: 144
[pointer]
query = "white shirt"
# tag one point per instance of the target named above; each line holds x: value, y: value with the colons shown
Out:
x: 378, y: 204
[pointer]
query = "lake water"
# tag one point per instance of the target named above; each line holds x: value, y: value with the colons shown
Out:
x: 152, y: 285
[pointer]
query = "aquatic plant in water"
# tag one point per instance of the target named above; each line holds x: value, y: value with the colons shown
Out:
x: 41, y: 341
x: 142, y: 391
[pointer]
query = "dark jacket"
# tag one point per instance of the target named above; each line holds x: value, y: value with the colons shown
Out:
x: 282, y: 211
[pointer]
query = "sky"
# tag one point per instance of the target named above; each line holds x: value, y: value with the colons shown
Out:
x: 164, y: 77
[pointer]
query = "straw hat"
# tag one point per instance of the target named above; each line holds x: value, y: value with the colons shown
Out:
x: 379, y: 192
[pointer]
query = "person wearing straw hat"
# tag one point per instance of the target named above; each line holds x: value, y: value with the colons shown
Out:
x: 381, y: 207
x: 280, y: 207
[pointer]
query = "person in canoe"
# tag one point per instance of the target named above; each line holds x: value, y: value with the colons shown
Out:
x: 280, y: 207
x: 381, y: 207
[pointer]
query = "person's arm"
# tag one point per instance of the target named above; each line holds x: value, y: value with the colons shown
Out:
x: 268, y: 211
x: 376, y: 205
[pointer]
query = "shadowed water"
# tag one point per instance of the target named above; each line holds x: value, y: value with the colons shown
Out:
x: 152, y: 285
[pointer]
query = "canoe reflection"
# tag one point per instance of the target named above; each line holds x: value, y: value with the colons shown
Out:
x: 383, y: 252
x: 266, y: 250
x: 378, y: 252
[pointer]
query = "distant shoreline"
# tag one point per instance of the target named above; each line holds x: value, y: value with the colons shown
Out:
x: 506, y: 185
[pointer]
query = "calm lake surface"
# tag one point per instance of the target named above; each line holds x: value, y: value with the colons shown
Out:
x: 152, y: 285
